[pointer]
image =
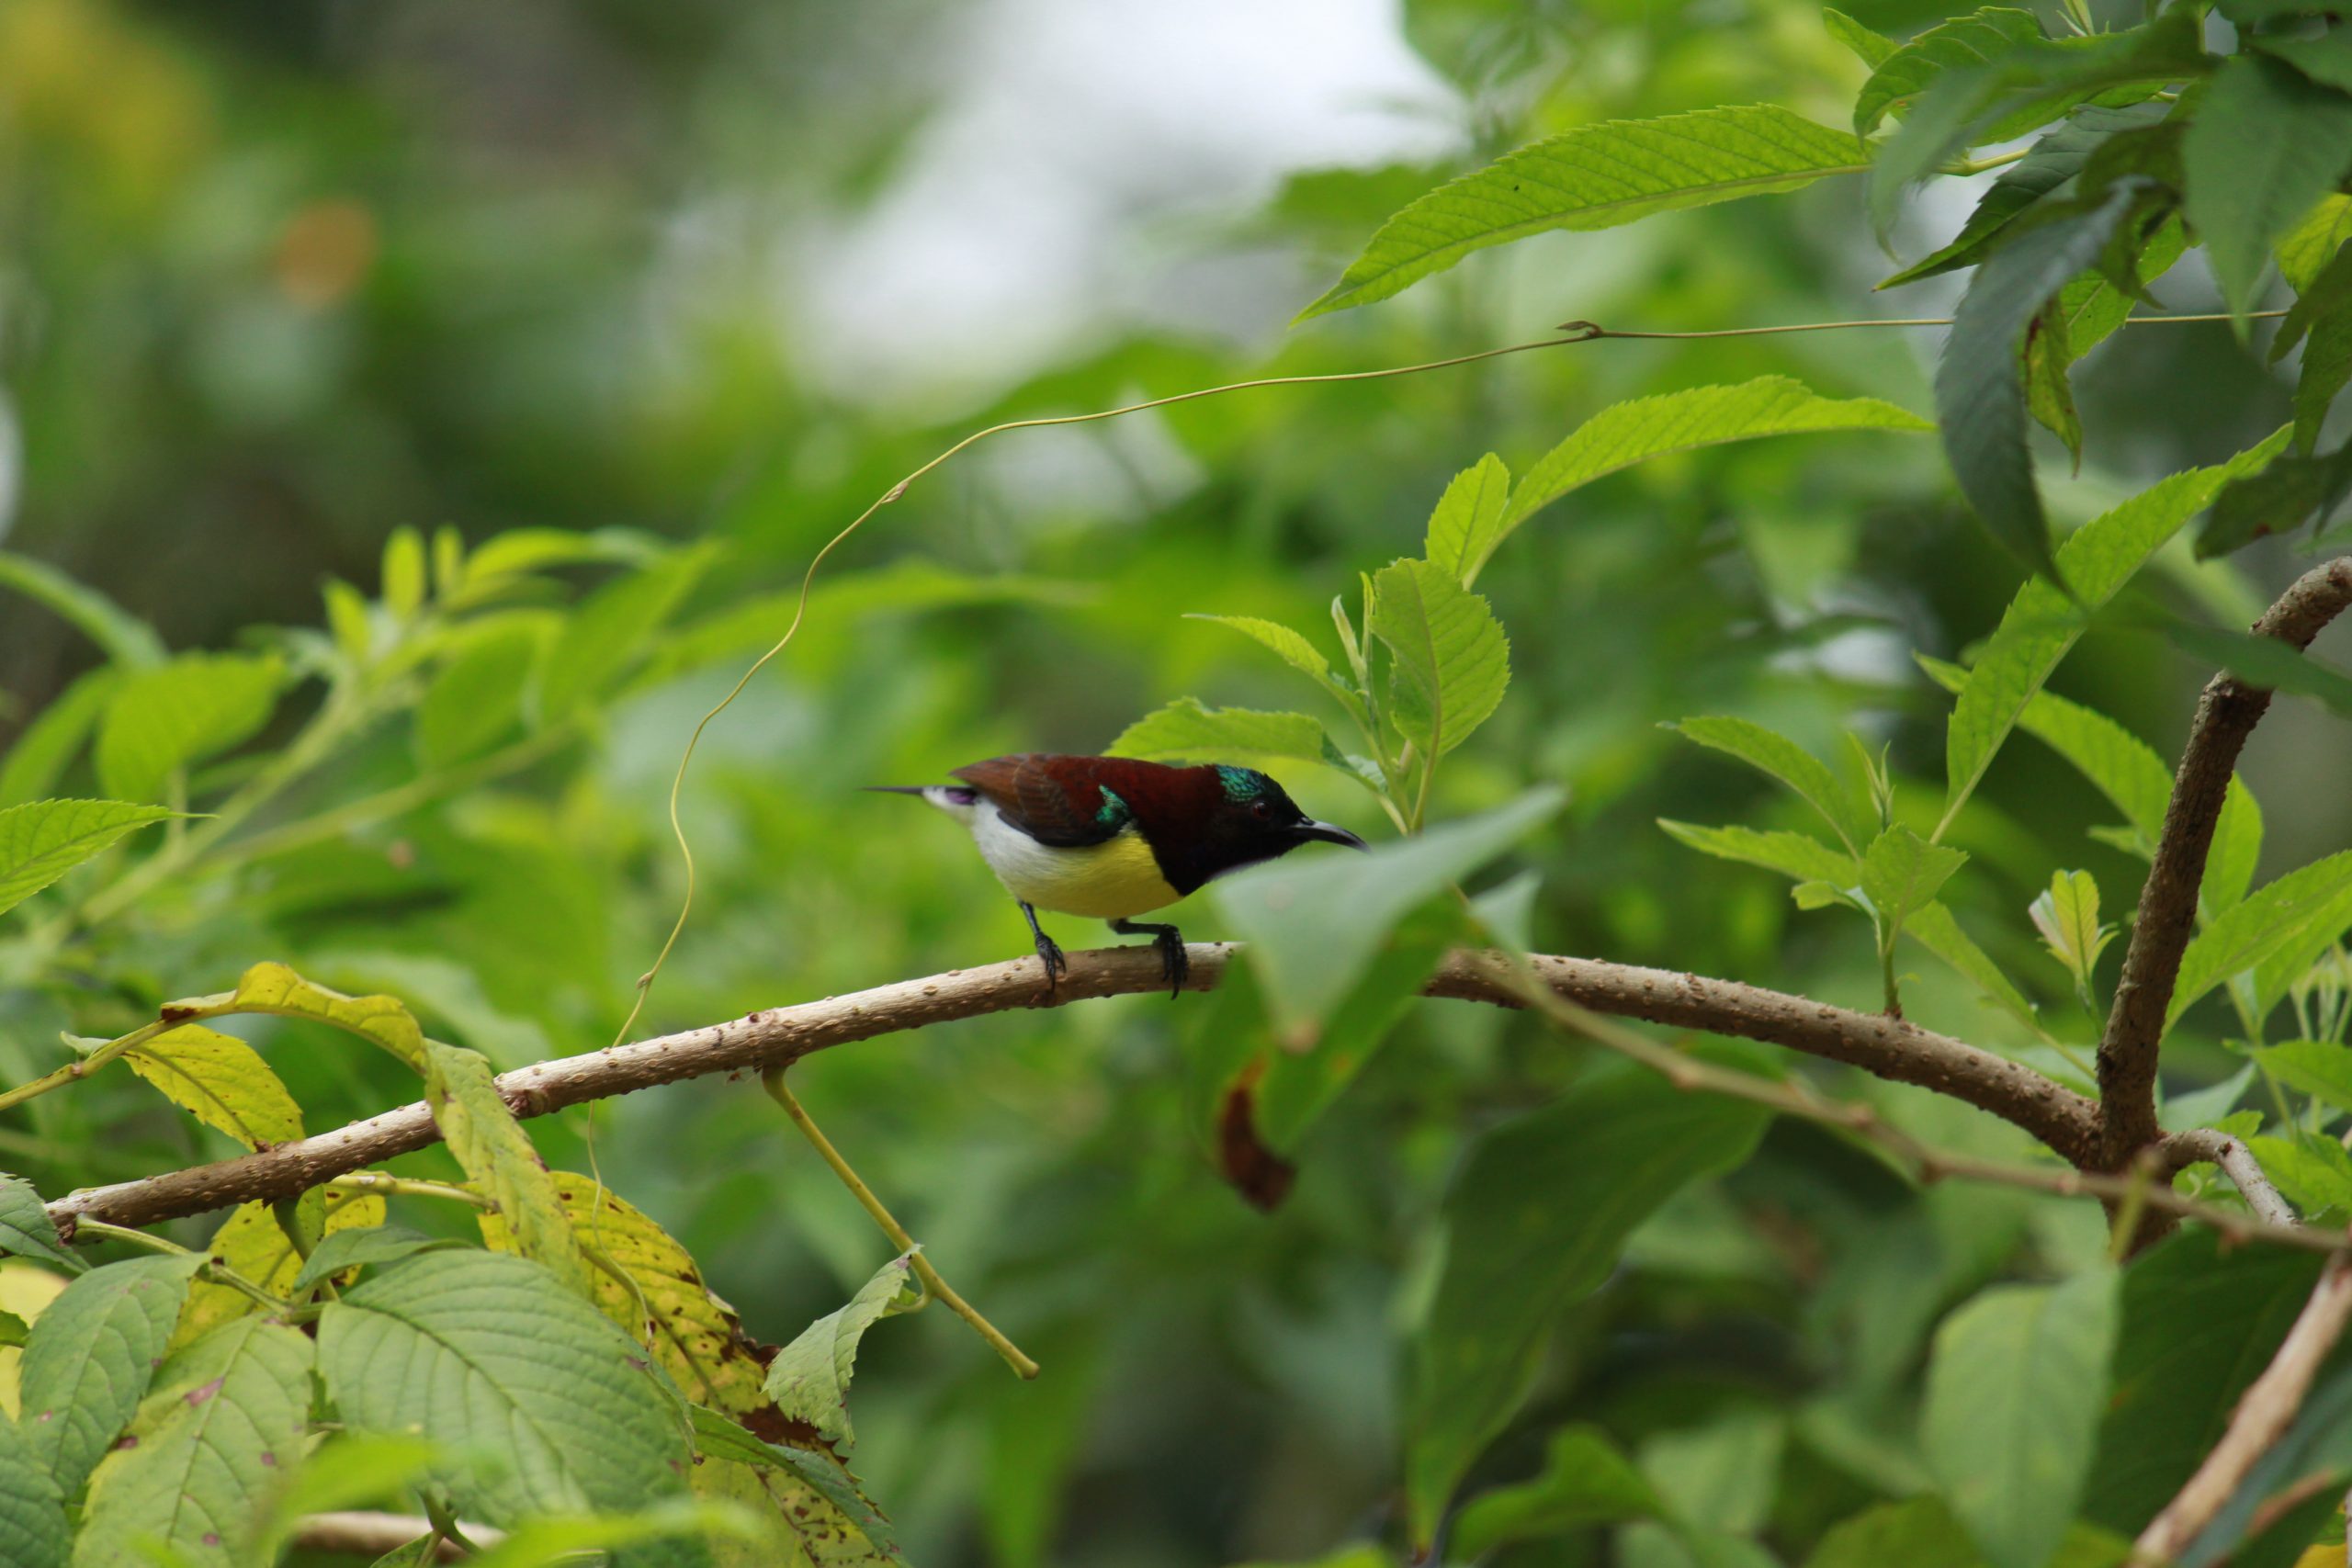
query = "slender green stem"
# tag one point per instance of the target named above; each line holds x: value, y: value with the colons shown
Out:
x: 74, y: 1071
x: 1978, y: 165
x: 2123, y: 1233
x: 217, y: 1271
x: 773, y: 1080
x: 376, y: 1181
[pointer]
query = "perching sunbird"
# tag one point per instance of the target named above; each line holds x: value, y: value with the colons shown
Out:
x: 1111, y: 838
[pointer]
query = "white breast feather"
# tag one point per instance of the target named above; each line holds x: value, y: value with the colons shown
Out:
x: 1109, y: 881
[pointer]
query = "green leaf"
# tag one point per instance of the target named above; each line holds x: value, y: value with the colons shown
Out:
x: 697, y: 1338
x: 2277, y: 500
x: 403, y: 573
x: 1185, y: 731
x: 90, y: 1357
x: 1595, y: 176
x: 2122, y: 767
x: 2015, y: 1390
x: 1902, y: 872
x: 2236, y: 850
x: 1936, y: 931
x: 1292, y: 647
x: 2046, y: 167
x: 2041, y: 626
x: 220, y: 1081
x: 2314, y: 1174
x: 33, y: 1531
x: 25, y: 1230
x: 1535, y: 1221
x: 125, y: 640
x: 2266, y: 143
x: 1800, y: 856
x: 476, y: 699
x: 275, y: 989
x: 2048, y: 396
x: 1980, y: 391
x: 1585, y: 1482
x: 2305, y: 249
x: 1628, y: 433
x: 2321, y: 320
x: 46, y: 746
x: 497, y: 1156
x: 1452, y: 661
x: 1313, y: 925
x: 340, y: 1252
x: 14, y: 1330
x: 2263, y: 661
x: 1919, y: 1532
x: 609, y: 630
x: 2321, y: 1068
x: 808, y: 1380
x: 453, y: 1344
x: 165, y: 719
x: 2303, y: 903
x: 43, y: 840
x: 2035, y: 84
x: 2201, y: 1318
x: 1982, y: 38
x: 1782, y: 758
x: 1468, y: 521
x: 1868, y: 45
x: 2067, y: 915
x: 225, y: 1421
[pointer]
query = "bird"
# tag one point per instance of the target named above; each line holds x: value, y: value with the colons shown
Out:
x: 1114, y: 837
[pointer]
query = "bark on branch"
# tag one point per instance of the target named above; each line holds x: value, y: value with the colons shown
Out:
x: 2226, y: 714
x: 778, y: 1037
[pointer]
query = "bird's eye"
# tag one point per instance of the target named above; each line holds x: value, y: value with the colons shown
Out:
x: 1264, y: 808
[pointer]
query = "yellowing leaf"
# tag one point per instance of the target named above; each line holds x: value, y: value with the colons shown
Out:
x: 497, y: 1155
x: 222, y: 1081
x: 273, y: 988
x: 698, y: 1338
x: 251, y: 1242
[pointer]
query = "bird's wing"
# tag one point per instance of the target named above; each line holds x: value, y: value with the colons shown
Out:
x: 1053, y: 799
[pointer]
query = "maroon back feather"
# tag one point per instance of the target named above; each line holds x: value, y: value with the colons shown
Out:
x: 1060, y: 800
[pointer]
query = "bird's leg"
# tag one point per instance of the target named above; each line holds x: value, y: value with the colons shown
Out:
x: 1175, y: 966
x: 1050, y: 952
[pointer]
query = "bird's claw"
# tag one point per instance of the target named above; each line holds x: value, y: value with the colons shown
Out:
x: 1175, y: 964
x: 1055, y: 962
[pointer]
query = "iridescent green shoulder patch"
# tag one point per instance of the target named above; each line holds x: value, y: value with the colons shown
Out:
x: 1114, y: 812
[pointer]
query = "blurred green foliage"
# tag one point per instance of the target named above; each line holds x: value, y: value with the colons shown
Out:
x: 428, y: 373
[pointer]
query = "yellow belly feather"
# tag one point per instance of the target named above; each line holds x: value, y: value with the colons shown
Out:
x: 1108, y: 880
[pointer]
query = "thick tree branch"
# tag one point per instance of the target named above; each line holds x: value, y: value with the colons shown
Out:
x: 2261, y: 1418
x: 1890, y: 1048
x: 2226, y: 714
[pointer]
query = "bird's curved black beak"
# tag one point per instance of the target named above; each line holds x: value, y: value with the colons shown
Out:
x: 1329, y: 834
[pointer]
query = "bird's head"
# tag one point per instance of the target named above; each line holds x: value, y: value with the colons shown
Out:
x: 1249, y: 818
